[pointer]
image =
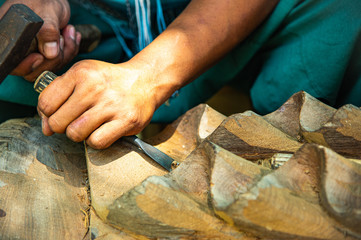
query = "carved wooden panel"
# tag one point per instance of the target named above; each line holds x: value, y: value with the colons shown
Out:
x: 291, y: 174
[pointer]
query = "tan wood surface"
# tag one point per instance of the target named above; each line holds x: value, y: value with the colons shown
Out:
x: 341, y: 189
x: 217, y: 192
x: 301, y: 109
x: 292, y: 174
x: 39, y: 201
x: 342, y: 132
x: 252, y: 137
x: 284, y: 203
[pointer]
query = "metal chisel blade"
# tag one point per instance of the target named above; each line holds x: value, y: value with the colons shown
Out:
x: 154, y: 153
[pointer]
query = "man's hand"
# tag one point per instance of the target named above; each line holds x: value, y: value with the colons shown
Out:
x: 101, y: 102
x: 98, y: 102
x: 58, y: 42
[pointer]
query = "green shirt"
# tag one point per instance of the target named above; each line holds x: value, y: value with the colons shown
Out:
x: 308, y: 45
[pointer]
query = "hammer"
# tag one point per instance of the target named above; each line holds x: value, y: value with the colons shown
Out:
x: 18, y: 29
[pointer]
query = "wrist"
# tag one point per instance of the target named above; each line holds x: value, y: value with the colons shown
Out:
x: 159, y: 79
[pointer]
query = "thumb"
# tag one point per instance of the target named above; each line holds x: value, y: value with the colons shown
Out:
x: 49, y: 38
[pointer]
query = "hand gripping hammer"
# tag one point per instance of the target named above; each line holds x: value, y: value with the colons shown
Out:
x: 18, y: 29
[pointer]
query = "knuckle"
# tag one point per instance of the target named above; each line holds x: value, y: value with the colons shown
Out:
x: 73, y: 134
x: 97, y: 142
x: 55, y: 126
x: 80, y: 71
x: 87, y: 68
x: 133, y: 119
x: 82, y: 65
x: 97, y: 90
x: 49, y: 28
x: 44, y: 107
x: 88, y: 77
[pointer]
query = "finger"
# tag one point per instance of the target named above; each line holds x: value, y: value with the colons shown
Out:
x: 78, y: 38
x: 48, y: 38
x: 70, y: 110
x: 52, y: 65
x: 54, y: 95
x: 71, y: 47
x: 45, y: 125
x: 107, y: 134
x: 82, y: 127
x: 28, y: 65
x: 47, y: 64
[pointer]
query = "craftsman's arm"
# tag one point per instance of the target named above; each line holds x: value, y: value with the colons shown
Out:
x: 200, y: 36
x: 58, y: 42
x: 101, y: 102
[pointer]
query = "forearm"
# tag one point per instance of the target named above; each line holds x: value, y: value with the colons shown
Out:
x: 201, y: 35
x: 101, y: 102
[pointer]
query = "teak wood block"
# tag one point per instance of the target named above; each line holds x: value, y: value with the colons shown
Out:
x: 301, y: 109
x: 284, y: 204
x: 213, y: 184
x: 341, y: 189
x: 182, y: 136
x: 342, y: 132
x: 116, y: 170
x: 217, y: 192
x: 39, y: 201
x: 100, y: 230
x: 111, y: 176
x: 173, y: 205
x: 308, y: 119
x: 252, y: 137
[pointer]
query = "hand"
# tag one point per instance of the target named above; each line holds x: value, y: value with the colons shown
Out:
x: 101, y: 102
x: 98, y: 102
x: 58, y: 42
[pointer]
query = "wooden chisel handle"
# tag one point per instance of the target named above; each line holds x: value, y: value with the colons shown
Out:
x: 44, y: 80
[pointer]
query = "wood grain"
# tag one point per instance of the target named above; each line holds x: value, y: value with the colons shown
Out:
x: 250, y: 136
x: 292, y: 174
x: 342, y: 132
x: 36, y: 200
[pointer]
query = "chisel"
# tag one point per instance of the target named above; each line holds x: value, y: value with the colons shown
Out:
x: 158, y: 156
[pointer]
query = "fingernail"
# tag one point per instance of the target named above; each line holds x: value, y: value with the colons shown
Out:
x: 36, y: 64
x: 61, y: 43
x: 72, y: 32
x: 51, y: 49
